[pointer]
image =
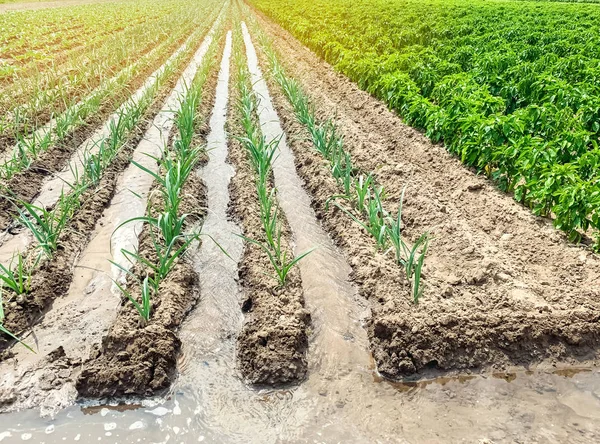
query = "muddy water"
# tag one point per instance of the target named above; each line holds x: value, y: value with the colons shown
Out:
x: 51, y: 190
x: 342, y: 400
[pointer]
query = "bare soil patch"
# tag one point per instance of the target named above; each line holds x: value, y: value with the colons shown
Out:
x: 502, y: 287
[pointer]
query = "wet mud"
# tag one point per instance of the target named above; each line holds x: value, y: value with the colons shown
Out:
x: 137, y: 358
x: 342, y: 397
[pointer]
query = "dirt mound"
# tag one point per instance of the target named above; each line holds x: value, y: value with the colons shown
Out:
x: 141, y: 360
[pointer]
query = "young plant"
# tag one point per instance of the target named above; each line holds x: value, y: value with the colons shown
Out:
x: 394, y: 231
x: 278, y: 256
x: 145, y: 305
x: 17, y: 276
x: 414, y: 264
x: 361, y: 189
x: 47, y: 226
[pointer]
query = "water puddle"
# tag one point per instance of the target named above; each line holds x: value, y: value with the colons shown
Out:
x: 343, y: 399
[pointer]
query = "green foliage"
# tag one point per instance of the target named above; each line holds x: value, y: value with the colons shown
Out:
x: 361, y: 190
x: 261, y: 154
x: 511, y: 88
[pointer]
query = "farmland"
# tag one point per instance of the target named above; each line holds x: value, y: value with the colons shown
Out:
x: 276, y: 221
x: 510, y: 88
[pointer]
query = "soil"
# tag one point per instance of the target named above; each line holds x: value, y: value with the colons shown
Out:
x: 502, y: 287
x: 137, y: 358
x: 271, y: 348
x: 54, y: 276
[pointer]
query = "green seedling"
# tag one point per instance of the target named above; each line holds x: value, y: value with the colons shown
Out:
x: 47, y: 226
x: 278, y: 257
x: 145, y: 305
x: 17, y: 276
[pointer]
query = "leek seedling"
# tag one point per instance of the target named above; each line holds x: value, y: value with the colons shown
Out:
x: 47, y: 226
x: 167, y: 255
x: 361, y: 187
x: 145, y: 306
x: 376, y: 230
x: 262, y: 155
x: 377, y: 216
x: 394, y: 231
x: 17, y: 278
x: 414, y: 264
x: 279, y: 258
x: 268, y: 212
x: 170, y: 227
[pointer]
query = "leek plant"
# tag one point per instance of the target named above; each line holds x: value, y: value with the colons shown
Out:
x: 261, y: 155
x: 47, y: 225
x: 16, y: 277
x: 166, y: 224
x: 360, y: 189
x: 278, y: 256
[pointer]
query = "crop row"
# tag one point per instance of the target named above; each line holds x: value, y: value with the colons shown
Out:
x: 169, y: 227
x: 357, y: 188
x: 272, y: 344
x: 49, y: 225
x: 261, y: 154
x: 511, y: 88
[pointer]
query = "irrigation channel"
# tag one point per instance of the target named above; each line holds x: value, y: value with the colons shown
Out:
x: 342, y: 399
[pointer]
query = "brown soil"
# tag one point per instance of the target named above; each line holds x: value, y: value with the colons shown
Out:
x: 272, y: 345
x: 138, y: 359
x: 53, y: 278
x: 502, y: 287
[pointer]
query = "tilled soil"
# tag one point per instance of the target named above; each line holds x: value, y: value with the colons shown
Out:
x: 54, y: 276
x: 502, y: 287
x: 137, y: 358
x: 272, y: 345
x: 49, y: 381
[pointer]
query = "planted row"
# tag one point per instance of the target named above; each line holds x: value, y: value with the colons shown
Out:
x: 359, y: 189
x: 29, y: 148
x: 169, y: 229
x: 261, y: 154
x: 31, y: 100
x: 48, y: 225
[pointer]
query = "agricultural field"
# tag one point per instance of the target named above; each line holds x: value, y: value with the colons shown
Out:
x: 511, y: 88
x: 274, y: 221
